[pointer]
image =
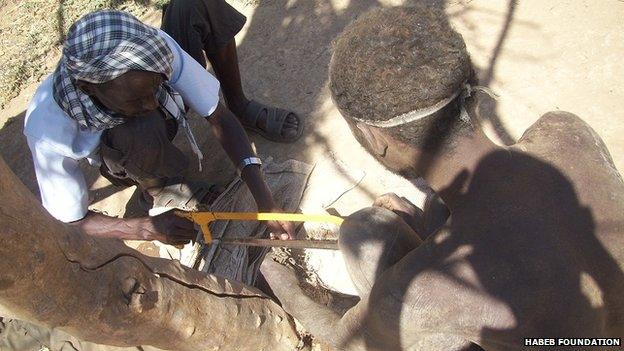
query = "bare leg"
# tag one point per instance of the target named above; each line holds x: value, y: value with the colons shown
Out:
x: 225, y: 64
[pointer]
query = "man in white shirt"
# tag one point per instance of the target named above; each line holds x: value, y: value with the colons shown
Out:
x: 116, y: 98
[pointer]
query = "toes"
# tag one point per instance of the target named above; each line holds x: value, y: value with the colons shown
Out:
x: 290, y: 126
x: 292, y: 120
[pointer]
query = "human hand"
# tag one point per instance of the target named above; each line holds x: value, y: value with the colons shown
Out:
x: 283, y: 230
x: 396, y: 204
x: 411, y: 214
x: 167, y: 228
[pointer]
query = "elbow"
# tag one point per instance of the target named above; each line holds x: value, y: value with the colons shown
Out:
x: 218, y: 114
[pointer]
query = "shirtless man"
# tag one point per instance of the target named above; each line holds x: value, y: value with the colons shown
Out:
x: 534, y: 245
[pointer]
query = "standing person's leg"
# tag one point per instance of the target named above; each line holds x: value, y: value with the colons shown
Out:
x: 224, y: 61
x: 372, y: 240
x: 210, y: 26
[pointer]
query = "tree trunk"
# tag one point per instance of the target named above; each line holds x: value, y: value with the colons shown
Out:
x: 101, y: 291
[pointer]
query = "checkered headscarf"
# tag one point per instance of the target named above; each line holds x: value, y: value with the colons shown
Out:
x: 100, y: 47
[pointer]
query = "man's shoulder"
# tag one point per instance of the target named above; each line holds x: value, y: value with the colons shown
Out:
x: 559, y: 128
x: 48, y: 127
x: 566, y: 140
x: 42, y: 106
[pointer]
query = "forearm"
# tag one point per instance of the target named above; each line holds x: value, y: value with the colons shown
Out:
x: 234, y: 141
x: 96, y: 224
x: 253, y: 177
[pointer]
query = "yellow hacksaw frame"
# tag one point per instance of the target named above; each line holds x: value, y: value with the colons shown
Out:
x: 203, y: 219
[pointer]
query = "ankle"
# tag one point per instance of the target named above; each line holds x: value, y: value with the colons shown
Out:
x: 237, y: 104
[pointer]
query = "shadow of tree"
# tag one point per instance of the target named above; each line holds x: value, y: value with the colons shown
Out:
x: 60, y: 22
x: 488, y: 109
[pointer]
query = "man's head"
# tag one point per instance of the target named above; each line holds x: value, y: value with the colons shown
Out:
x: 391, y: 66
x: 131, y: 94
x: 112, y: 67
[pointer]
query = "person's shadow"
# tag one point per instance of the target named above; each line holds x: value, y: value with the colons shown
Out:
x: 528, y: 244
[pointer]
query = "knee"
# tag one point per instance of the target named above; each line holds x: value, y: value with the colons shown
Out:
x: 150, y: 129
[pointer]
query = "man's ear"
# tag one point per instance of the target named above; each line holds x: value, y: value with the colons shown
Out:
x: 377, y: 143
x: 86, y: 87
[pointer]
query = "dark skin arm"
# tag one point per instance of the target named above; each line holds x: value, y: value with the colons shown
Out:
x: 167, y: 228
x: 234, y: 141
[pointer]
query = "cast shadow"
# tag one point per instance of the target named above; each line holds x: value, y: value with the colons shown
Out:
x: 520, y: 239
x: 486, y: 77
x: 284, y: 60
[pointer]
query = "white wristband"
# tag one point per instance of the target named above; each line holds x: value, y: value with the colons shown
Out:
x: 248, y: 161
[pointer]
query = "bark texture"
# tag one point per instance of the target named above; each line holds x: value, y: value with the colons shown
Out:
x: 102, y: 291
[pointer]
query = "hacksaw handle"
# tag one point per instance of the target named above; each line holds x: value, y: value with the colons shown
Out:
x: 203, y: 224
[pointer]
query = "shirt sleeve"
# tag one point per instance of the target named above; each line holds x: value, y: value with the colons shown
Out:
x: 199, y: 89
x: 64, y: 192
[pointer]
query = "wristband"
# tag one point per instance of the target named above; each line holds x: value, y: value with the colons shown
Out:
x: 248, y: 161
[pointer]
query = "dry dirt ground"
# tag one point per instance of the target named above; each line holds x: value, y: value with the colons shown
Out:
x: 537, y: 55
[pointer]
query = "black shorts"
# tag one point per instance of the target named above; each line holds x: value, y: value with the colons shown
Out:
x: 201, y: 25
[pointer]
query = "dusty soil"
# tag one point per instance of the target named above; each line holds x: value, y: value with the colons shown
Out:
x: 538, y: 56
x: 31, y: 34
